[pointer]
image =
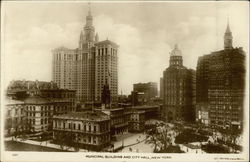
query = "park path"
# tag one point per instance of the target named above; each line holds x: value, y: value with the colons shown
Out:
x: 128, y: 139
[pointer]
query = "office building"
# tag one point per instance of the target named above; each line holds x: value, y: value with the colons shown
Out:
x: 178, y: 83
x: 87, y: 68
x: 221, y: 83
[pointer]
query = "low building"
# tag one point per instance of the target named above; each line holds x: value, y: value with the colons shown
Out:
x: 202, y: 113
x: 137, y: 121
x: 140, y: 114
x: 39, y: 112
x: 15, y: 120
x: 118, y: 124
x: 62, y: 99
x: 143, y: 92
x: 89, y: 130
x: 32, y: 88
x: 55, y: 94
x: 151, y: 111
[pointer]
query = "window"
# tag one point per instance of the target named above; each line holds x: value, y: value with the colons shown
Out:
x: 94, y: 128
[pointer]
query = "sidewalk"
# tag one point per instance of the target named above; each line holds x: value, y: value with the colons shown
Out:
x: 45, y: 144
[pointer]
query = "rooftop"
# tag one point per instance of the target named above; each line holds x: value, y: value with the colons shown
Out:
x: 36, y: 100
x: 113, y: 109
x: 62, y: 48
x: 145, y: 107
x: 89, y: 115
x: 57, y: 90
x: 9, y: 101
x: 106, y: 42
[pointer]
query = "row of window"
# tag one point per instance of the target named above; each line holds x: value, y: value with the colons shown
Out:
x: 78, y: 126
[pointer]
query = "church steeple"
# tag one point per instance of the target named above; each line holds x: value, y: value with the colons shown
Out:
x: 228, y: 38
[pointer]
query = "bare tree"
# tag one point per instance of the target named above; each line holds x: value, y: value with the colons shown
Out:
x: 162, y: 138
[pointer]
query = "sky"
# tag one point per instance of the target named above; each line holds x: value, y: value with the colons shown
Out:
x: 146, y: 32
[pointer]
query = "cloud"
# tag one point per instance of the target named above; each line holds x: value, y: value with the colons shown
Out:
x: 28, y: 56
x: 144, y: 38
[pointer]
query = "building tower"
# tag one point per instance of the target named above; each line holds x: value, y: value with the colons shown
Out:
x: 86, y: 68
x: 87, y: 39
x: 228, y: 38
x: 220, y: 86
x: 176, y: 57
x: 177, y: 89
x: 106, y: 96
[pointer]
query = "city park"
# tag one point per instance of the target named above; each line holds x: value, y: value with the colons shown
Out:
x: 158, y: 137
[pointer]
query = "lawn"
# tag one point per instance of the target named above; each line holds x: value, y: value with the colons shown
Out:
x: 188, y: 136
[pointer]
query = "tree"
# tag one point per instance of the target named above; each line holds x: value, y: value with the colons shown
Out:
x: 152, y: 139
x: 162, y: 138
x: 60, y: 139
x: 229, y: 137
x: 65, y: 140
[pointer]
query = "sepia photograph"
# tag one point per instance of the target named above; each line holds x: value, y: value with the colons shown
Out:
x: 124, y: 80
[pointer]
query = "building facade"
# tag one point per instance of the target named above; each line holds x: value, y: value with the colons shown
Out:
x: 60, y: 98
x: 40, y: 109
x: 161, y: 87
x: 20, y: 89
x: 143, y: 92
x: 33, y: 104
x: 39, y: 113
x: 118, y: 124
x: 137, y: 121
x: 15, y: 117
x: 221, y: 83
x: 178, y: 88
x: 88, y: 130
x: 87, y: 68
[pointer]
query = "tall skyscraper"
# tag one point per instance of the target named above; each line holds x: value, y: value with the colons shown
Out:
x: 86, y: 68
x: 178, y: 89
x: 220, y: 84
